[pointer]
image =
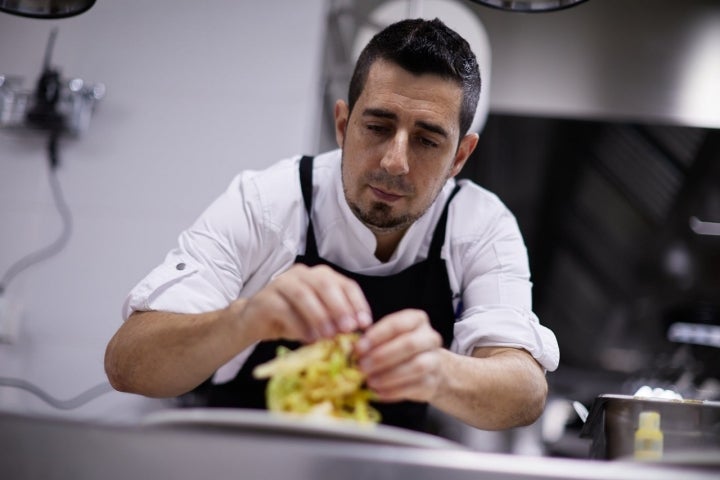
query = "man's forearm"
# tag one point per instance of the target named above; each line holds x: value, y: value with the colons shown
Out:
x: 495, y: 389
x: 161, y: 354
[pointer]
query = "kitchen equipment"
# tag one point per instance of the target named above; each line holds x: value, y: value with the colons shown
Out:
x: 687, y: 425
x: 528, y: 6
x: 45, y: 8
x: 56, y: 105
x: 42, y: 448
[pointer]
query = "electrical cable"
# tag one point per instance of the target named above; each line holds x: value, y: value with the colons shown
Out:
x: 70, y: 404
x: 38, y: 256
x: 47, y: 118
x: 65, y: 215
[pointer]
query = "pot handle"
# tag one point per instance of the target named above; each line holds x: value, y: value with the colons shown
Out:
x: 704, y: 228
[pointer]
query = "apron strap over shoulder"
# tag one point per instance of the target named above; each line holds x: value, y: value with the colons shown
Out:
x: 306, y: 166
x: 306, y: 174
x: 439, y: 235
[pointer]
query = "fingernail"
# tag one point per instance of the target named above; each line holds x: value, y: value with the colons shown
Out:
x: 347, y: 324
x: 328, y: 330
x: 364, y: 319
x: 365, y: 364
x: 362, y: 345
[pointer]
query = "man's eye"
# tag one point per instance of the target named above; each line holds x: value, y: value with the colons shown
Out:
x: 426, y: 142
x: 376, y: 128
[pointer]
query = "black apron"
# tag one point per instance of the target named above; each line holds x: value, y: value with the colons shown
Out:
x: 424, y: 285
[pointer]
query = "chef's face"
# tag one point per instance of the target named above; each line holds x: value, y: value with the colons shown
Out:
x: 400, y: 143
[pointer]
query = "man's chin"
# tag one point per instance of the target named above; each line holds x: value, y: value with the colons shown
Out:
x: 384, y: 229
x: 379, y: 219
x: 386, y: 224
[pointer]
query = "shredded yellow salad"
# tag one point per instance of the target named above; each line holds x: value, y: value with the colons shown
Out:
x: 319, y: 379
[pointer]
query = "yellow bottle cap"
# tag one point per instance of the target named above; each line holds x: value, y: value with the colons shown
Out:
x: 649, y: 420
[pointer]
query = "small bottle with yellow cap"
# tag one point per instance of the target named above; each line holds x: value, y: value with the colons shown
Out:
x: 648, y: 437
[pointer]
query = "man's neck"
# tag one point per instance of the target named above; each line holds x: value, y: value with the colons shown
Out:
x: 386, y: 244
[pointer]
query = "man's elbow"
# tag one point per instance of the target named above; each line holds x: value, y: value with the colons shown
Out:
x: 117, y: 382
x: 113, y: 374
x: 117, y: 376
x: 534, y: 401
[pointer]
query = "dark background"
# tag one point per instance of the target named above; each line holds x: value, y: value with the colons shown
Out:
x: 605, y: 210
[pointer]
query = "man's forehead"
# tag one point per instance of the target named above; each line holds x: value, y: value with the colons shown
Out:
x: 390, y: 87
x: 388, y: 74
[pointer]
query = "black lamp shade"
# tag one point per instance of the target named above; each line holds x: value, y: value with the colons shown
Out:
x: 529, y: 6
x: 45, y: 8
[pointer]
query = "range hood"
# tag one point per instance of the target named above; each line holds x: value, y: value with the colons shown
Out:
x: 646, y: 60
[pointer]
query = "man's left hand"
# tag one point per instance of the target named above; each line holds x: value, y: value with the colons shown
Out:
x: 401, y: 357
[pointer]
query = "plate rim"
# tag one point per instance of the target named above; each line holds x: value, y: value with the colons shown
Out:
x: 288, y: 423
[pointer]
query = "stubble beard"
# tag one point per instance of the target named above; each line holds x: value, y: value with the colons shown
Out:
x: 378, y: 217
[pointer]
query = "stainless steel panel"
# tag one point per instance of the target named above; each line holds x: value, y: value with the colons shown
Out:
x: 686, y: 425
x: 35, y: 448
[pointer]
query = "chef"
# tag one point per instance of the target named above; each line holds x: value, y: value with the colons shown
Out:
x: 376, y: 237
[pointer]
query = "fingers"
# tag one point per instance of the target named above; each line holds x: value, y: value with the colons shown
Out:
x: 411, y: 380
x: 268, y: 316
x: 309, y: 303
x: 400, y: 356
x: 396, y: 338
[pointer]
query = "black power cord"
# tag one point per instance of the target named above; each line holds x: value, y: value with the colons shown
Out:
x: 45, y: 116
x: 38, y: 256
x: 70, y: 404
x: 63, y: 210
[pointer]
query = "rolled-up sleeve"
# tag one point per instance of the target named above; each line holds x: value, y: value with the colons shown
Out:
x: 177, y: 285
x: 491, y: 265
x: 502, y: 326
x: 203, y: 272
x: 242, y: 240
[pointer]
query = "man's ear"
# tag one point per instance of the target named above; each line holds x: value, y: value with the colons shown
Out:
x: 342, y: 113
x: 465, y: 149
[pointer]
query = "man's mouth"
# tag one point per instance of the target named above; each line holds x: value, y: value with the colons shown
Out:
x: 385, y: 195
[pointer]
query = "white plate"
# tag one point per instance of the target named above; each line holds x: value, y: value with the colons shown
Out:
x: 261, y: 420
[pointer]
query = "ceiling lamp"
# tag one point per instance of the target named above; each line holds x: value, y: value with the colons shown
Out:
x: 529, y: 6
x: 45, y: 8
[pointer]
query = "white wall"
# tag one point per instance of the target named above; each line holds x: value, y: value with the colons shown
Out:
x: 195, y: 93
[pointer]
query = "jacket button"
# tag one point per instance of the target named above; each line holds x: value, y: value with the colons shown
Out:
x: 180, y: 266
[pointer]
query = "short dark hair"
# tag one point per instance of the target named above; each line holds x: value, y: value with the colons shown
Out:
x: 423, y: 46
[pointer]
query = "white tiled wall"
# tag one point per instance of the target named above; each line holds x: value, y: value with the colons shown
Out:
x: 195, y: 92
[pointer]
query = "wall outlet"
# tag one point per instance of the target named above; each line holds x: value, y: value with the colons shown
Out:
x: 10, y: 312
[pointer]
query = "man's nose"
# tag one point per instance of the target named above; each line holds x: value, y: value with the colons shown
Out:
x: 395, y: 160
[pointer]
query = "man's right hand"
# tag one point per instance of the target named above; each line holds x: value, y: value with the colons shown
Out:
x: 305, y: 303
x: 164, y: 354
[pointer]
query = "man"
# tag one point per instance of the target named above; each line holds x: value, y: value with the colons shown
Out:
x: 377, y: 237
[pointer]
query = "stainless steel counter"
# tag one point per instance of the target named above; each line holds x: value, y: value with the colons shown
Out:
x: 44, y: 448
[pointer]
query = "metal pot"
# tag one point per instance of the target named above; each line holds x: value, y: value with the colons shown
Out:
x: 687, y: 425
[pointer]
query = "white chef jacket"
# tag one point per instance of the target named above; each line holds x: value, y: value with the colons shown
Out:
x: 256, y: 228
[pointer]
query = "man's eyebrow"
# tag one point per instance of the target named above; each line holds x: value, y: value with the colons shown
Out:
x: 381, y: 113
x: 432, y: 127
